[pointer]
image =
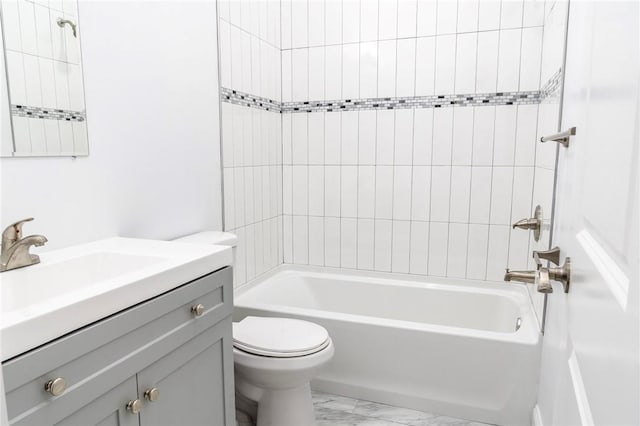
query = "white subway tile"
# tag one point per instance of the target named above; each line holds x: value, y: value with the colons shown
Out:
x: 332, y: 241
x: 333, y: 22
x: 300, y: 188
x: 498, y: 253
x: 487, y: 68
x: 501, y: 191
x: 240, y: 266
x: 440, y: 193
x: 17, y: 83
x: 421, y: 193
x: 462, y: 136
x: 504, y: 141
x: 351, y: 21
x: 387, y: 68
x: 333, y: 72
x: 477, y: 251
x: 447, y: 16
x: 365, y: 243
x: 52, y: 135
x: 316, y: 23
x: 248, y: 195
x: 299, y: 20
x: 387, y: 19
x: 533, y: 14
x: 419, y: 245
x: 442, y: 136
x: 402, y: 176
x: 43, y: 28
x: 300, y: 240
x: 67, y: 137
x: 285, y: 23
x: 406, y: 67
x: 519, y: 252
x: 530, y: 59
x: 348, y: 243
x: 287, y: 81
x: 401, y: 240
x: 11, y: 26
x: 383, y: 245
x: 238, y: 180
x: 299, y: 139
x: 349, y: 137
x: 445, y: 64
x: 422, y: 136
x: 22, y: 138
x: 316, y: 241
x: 438, y: 241
x: 245, y: 51
x: 32, y: 80
x: 483, y: 124
x: 384, y: 192
x: 460, y: 193
x: 523, y: 183
x: 225, y: 53
x: 407, y: 15
x: 457, y: 250
x: 425, y: 66
x: 286, y: 138
x: 29, y: 39
x: 367, y: 137
x: 385, y: 137
x: 350, y: 71
x: 509, y: 60
x: 403, y: 145
x: 349, y: 191
x: 366, y: 191
x: 489, y: 15
x: 467, y: 16
x: 316, y: 137
x: 368, y: 20
x: 316, y: 73
x: 480, y: 195
x: 526, y: 135
x: 257, y: 57
x: 369, y: 69
x: 48, y: 82
x: 332, y: 137
x: 511, y: 14
x: 465, y: 81
x: 38, y: 137
x: 300, y: 75
x: 426, y: 17
x: 332, y: 191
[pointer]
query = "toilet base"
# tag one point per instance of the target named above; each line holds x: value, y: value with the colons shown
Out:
x: 286, y: 407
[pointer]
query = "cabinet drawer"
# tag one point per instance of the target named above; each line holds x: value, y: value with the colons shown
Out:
x: 102, y: 355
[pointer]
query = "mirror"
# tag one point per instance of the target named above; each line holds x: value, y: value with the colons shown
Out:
x: 43, y: 106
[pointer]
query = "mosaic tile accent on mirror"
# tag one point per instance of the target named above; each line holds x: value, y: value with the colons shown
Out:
x: 550, y: 90
x: 338, y: 410
x: 47, y: 113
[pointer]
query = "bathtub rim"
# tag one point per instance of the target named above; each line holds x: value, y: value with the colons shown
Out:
x: 529, y: 332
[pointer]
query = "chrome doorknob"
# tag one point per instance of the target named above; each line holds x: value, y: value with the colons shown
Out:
x: 152, y: 394
x: 198, y: 309
x: 134, y: 406
x: 56, y: 387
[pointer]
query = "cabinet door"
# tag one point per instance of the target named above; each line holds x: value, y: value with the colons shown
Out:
x: 195, y: 382
x: 107, y: 410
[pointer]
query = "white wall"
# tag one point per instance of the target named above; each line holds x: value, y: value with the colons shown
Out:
x: 427, y: 191
x: 151, y: 82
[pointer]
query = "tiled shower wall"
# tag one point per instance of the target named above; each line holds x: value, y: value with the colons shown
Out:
x: 249, y: 46
x: 428, y: 190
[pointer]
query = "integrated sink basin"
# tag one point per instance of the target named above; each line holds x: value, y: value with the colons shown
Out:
x: 79, y: 285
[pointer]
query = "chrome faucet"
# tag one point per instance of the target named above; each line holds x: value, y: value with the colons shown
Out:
x: 543, y: 275
x: 15, y: 248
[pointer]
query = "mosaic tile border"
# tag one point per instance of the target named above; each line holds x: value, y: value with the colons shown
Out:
x: 47, y: 113
x: 549, y: 92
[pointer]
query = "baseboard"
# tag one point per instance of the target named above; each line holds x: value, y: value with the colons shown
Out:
x: 536, y: 417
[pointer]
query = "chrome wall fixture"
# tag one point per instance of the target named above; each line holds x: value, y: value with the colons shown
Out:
x: 15, y: 248
x: 562, y: 137
x: 62, y: 22
x: 543, y: 276
x: 534, y: 223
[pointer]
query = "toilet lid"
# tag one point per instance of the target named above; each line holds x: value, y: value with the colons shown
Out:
x: 279, y: 337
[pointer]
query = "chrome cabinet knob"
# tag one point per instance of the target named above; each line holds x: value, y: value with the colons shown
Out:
x: 152, y: 394
x: 56, y: 387
x: 134, y: 406
x: 198, y: 309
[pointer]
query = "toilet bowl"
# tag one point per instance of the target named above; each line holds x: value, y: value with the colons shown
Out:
x: 274, y: 361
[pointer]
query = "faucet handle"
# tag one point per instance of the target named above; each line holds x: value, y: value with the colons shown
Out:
x: 552, y: 255
x: 13, y: 232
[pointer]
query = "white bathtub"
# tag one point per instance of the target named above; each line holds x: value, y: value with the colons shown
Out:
x: 443, y: 346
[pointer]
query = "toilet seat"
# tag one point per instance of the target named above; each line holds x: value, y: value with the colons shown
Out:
x: 279, y: 337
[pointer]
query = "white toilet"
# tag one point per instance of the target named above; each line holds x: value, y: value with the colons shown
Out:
x: 274, y: 361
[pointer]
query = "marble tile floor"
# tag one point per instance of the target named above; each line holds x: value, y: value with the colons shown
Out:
x: 338, y: 410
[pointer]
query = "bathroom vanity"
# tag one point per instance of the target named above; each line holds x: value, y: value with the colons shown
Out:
x: 164, y: 360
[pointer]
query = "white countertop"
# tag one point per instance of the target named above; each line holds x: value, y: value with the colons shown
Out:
x: 76, y: 286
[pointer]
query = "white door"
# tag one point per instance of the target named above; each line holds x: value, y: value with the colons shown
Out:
x: 591, y: 362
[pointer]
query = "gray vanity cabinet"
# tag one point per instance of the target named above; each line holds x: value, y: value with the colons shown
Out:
x: 171, y: 355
